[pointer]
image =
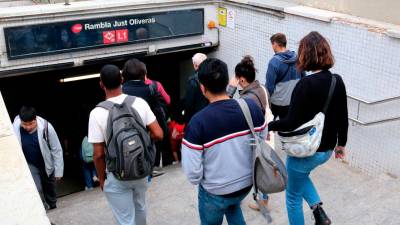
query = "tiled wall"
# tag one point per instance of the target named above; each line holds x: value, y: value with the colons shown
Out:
x: 368, y: 61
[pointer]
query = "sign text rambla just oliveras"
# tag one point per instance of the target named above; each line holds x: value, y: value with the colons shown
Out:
x: 118, y: 23
x: 78, y: 35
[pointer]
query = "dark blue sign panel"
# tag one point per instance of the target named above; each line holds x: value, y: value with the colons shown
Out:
x: 55, y: 38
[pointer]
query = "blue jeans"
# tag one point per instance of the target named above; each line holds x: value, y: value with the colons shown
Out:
x: 300, y: 185
x: 89, y: 171
x: 212, y: 208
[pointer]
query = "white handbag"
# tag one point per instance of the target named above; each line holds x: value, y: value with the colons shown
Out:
x: 305, y: 140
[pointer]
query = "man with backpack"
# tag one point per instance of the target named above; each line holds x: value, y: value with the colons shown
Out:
x: 123, y: 149
x: 216, y: 149
x: 134, y: 74
x: 42, y: 151
x: 282, y: 76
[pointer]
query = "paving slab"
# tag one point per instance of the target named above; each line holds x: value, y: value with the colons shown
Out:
x: 350, y: 198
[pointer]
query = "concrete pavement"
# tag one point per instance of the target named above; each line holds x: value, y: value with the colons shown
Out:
x: 350, y: 198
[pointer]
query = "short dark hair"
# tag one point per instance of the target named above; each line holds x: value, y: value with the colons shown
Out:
x: 27, y: 113
x: 213, y: 75
x: 110, y: 76
x: 279, y: 38
x: 314, y: 53
x: 134, y: 69
x: 246, y: 69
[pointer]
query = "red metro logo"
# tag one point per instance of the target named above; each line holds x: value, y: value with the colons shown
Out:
x: 76, y: 28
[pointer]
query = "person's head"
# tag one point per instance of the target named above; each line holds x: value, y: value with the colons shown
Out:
x: 142, y: 33
x: 27, y: 115
x: 213, y: 77
x: 134, y: 69
x: 314, y: 53
x: 245, y: 71
x: 197, y: 59
x: 110, y: 77
x: 278, y: 42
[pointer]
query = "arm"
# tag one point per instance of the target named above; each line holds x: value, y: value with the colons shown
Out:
x: 271, y: 78
x: 192, y: 152
x: 56, y: 152
x: 99, y: 160
x: 164, y: 94
x: 192, y: 162
x: 343, y: 121
x: 232, y: 87
x: 156, y: 132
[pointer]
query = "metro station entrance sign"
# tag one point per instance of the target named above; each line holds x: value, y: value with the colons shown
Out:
x: 54, y: 38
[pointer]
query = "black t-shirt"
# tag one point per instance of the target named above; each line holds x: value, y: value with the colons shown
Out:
x: 308, y: 99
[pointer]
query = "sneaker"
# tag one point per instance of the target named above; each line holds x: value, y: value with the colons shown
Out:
x: 157, y: 171
x: 255, y: 206
x: 88, y: 188
x: 95, y: 179
x: 320, y: 216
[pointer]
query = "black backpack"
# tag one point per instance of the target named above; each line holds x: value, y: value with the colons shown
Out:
x: 130, y: 152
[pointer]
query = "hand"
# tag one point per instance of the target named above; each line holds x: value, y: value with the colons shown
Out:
x: 58, y: 178
x: 234, y: 82
x: 340, y: 152
x: 101, y: 182
x: 269, y: 136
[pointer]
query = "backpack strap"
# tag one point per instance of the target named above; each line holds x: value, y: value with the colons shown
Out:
x: 46, y: 133
x: 129, y: 100
x: 331, y: 90
x: 105, y: 105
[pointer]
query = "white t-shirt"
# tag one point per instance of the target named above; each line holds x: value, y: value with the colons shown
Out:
x: 99, y: 117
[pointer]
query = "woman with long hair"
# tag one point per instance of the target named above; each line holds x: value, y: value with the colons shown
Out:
x: 308, y: 99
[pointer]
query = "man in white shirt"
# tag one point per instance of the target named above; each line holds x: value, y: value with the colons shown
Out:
x: 126, y: 198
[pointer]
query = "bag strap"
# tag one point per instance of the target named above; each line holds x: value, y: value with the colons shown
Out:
x: 246, y: 112
x: 258, y: 98
x: 46, y: 133
x: 129, y: 100
x: 105, y: 105
x: 331, y: 90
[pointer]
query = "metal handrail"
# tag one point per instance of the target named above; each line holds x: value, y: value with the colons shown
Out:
x: 374, y: 102
x: 375, y: 121
x: 356, y: 120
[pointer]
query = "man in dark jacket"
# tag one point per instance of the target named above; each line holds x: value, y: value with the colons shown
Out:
x: 134, y: 74
x: 282, y: 76
x: 194, y: 100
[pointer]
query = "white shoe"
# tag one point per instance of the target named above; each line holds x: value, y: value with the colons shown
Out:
x: 95, y: 179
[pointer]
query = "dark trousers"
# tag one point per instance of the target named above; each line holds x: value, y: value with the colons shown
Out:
x: 163, y: 148
x: 46, y: 186
x: 163, y: 152
x: 279, y: 111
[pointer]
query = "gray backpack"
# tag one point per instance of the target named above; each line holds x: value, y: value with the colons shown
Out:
x: 269, y: 172
x: 130, y: 152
